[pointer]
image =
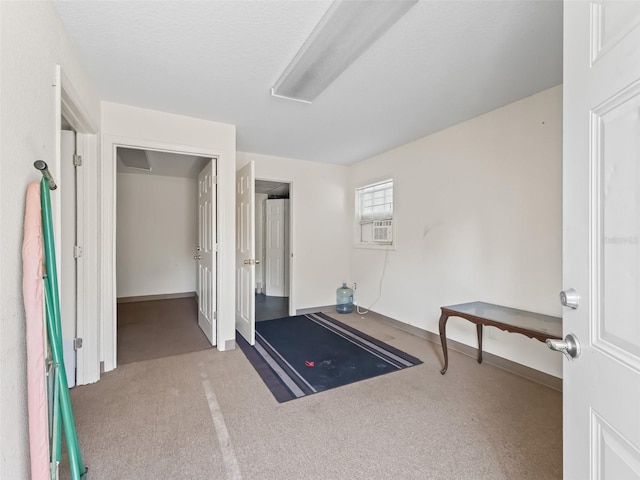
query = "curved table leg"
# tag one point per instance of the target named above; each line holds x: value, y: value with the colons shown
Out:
x: 443, y: 341
x: 479, y: 328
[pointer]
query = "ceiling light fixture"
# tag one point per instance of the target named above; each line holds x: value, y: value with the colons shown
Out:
x: 347, y: 30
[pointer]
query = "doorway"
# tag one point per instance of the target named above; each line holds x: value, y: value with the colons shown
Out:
x: 75, y: 204
x: 158, y: 252
x: 273, y: 249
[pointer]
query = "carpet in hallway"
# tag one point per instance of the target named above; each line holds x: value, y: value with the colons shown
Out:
x: 158, y: 328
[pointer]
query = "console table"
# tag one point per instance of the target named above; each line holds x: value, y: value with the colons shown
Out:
x: 533, y: 325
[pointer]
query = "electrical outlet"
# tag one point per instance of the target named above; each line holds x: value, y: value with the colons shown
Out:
x: 355, y: 286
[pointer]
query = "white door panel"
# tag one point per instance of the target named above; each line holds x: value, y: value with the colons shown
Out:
x: 275, y: 246
x: 260, y: 243
x: 245, y: 253
x: 206, y: 251
x: 67, y: 262
x: 601, y: 236
x: 287, y: 247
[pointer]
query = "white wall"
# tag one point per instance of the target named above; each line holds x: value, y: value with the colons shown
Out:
x: 157, y: 227
x: 124, y: 125
x: 321, y: 230
x: 32, y: 43
x: 477, y: 217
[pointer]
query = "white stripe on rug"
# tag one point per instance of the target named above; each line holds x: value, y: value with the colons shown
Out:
x: 362, y: 342
x: 297, y: 391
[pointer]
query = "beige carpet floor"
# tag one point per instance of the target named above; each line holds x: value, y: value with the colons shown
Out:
x: 208, y: 415
x: 159, y: 328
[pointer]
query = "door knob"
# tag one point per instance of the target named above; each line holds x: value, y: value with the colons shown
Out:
x: 570, y: 298
x: 250, y: 261
x: 197, y: 257
x: 569, y: 346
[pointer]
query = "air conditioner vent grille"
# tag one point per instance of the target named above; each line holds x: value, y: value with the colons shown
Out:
x: 383, y: 231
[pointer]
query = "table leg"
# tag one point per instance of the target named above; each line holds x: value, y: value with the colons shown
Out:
x: 479, y: 328
x: 443, y: 341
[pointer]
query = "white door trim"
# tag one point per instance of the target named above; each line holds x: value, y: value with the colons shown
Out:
x: 70, y: 104
x: 225, y: 285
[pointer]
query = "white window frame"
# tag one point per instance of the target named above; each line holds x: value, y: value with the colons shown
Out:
x: 378, y: 198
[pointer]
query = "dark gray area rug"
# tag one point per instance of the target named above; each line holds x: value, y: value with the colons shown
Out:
x: 306, y: 354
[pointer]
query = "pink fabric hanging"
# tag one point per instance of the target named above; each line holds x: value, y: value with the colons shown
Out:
x: 32, y: 285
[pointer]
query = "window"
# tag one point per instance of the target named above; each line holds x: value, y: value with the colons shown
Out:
x: 374, y: 206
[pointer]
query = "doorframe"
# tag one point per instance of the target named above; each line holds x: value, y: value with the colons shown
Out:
x: 69, y: 102
x: 292, y: 310
x: 108, y: 298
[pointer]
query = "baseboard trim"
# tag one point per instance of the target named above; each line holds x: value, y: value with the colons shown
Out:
x: 532, y: 374
x: 150, y: 298
x: 326, y: 308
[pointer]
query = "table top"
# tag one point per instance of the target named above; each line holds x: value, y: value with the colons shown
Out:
x: 536, y: 322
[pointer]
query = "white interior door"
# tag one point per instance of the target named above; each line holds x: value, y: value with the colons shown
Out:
x: 67, y: 261
x: 287, y: 248
x: 206, y: 252
x: 245, y: 253
x: 260, y: 244
x: 275, y: 246
x: 601, y: 230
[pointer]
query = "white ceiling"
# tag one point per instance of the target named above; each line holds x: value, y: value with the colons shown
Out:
x: 443, y: 62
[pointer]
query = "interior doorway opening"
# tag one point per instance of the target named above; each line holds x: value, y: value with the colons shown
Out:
x: 158, y: 252
x: 273, y: 250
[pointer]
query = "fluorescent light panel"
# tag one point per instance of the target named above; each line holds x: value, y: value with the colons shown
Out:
x: 346, y: 31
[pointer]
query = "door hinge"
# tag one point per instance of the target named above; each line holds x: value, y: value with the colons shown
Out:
x: 77, y: 160
x: 77, y: 343
x: 215, y: 179
x: 215, y: 315
x: 77, y: 251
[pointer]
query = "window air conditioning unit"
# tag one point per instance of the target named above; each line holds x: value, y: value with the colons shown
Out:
x: 383, y: 231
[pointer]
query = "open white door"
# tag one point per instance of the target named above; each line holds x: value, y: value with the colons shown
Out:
x: 601, y: 230
x: 68, y: 252
x: 245, y: 253
x: 275, y: 248
x: 206, y: 252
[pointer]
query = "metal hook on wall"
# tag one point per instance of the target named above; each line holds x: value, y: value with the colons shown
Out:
x: 44, y: 169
